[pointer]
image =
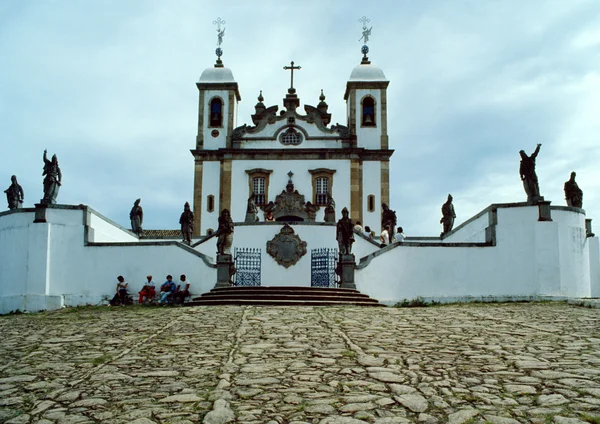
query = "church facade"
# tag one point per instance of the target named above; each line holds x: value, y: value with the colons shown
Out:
x: 348, y: 163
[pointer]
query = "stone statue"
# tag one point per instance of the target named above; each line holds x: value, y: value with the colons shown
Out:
x: 251, y: 210
x: 388, y: 219
x: 137, y: 218
x: 448, y: 216
x: 14, y: 194
x: 528, y: 175
x: 330, y: 209
x: 225, y: 233
x: 52, y: 179
x: 311, y: 211
x: 187, y: 224
x: 573, y: 193
x: 345, y: 233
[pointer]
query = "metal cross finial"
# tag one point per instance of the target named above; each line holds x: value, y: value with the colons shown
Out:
x: 220, y: 33
x: 290, y: 174
x: 366, y: 32
x: 292, y: 69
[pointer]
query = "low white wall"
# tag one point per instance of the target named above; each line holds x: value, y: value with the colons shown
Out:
x: 471, y: 231
x: 49, y: 265
x: 101, y: 229
x: 594, y: 249
x: 530, y: 258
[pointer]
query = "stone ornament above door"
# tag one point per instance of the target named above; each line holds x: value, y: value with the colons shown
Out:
x: 286, y: 247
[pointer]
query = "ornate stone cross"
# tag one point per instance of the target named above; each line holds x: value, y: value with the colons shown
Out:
x: 291, y: 68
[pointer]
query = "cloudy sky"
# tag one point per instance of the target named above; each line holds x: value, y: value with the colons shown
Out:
x: 109, y: 86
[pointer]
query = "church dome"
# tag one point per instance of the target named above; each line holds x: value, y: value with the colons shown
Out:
x: 217, y: 75
x: 367, y: 72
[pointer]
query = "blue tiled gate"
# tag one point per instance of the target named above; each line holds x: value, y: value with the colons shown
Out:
x: 247, y: 266
x: 322, y: 267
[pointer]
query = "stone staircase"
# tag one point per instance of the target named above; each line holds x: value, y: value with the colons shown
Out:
x: 281, y: 296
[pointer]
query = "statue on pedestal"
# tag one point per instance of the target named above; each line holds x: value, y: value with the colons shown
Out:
x: 225, y: 233
x: 136, y: 215
x: 448, y: 216
x: 187, y: 224
x: 388, y: 219
x: 52, y: 179
x: 14, y: 194
x: 528, y: 175
x: 573, y: 193
x: 251, y: 210
x: 330, y: 209
x: 345, y: 233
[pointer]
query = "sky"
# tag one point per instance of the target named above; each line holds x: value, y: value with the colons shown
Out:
x: 109, y: 86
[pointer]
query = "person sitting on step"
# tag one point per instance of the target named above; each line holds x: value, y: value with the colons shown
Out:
x: 183, y: 290
x: 121, y: 295
x: 148, y: 291
x: 167, y: 289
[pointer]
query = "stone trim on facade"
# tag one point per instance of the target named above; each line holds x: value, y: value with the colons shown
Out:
x: 232, y: 86
x: 356, y: 190
x: 293, y: 154
x: 385, y: 181
x: 369, y: 85
x: 384, y: 134
x: 198, y: 170
x: 230, y: 119
x: 200, y: 136
x: 225, y: 186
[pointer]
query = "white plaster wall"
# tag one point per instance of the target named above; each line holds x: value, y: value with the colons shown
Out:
x: 211, y: 184
x: 531, y: 258
x: 102, y: 230
x: 473, y: 232
x: 368, y: 137
x: 594, y: 250
x: 278, y: 180
x: 47, y: 265
x: 210, y: 142
x: 574, y: 254
x: 273, y: 274
x: 372, y: 185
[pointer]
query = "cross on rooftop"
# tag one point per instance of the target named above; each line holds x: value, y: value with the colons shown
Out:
x: 291, y: 68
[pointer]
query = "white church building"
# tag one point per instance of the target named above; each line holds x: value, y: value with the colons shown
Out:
x: 294, y: 161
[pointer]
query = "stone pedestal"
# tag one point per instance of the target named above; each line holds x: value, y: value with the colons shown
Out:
x: 40, y: 212
x: 544, y: 211
x: 588, y: 228
x: 224, y: 270
x: 348, y: 263
x: 534, y: 200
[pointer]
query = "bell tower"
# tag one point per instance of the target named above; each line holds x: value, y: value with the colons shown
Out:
x: 366, y: 108
x: 217, y: 108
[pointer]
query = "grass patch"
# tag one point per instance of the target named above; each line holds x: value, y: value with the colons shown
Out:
x: 348, y: 354
x: 594, y: 419
x: 107, y: 357
x: 417, y: 302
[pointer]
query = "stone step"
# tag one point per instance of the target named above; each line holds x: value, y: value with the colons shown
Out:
x: 285, y: 295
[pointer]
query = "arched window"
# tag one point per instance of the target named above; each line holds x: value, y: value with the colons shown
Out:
x: 371, y: 203
x: 210, y: 203
x: 368, y: 112
x: 216, y: 112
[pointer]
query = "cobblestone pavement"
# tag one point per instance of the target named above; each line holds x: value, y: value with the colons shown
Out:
x: 502, y: 363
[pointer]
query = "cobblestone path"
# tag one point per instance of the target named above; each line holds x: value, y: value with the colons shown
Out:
x: 504, y: 363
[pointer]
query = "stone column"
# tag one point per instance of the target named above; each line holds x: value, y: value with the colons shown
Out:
x: 224, y: 271
x: 348, y: 263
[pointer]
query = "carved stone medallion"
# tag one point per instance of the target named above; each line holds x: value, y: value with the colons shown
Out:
x: 286, y: 247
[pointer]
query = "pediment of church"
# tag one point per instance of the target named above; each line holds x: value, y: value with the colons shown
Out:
x: 289, y: 128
